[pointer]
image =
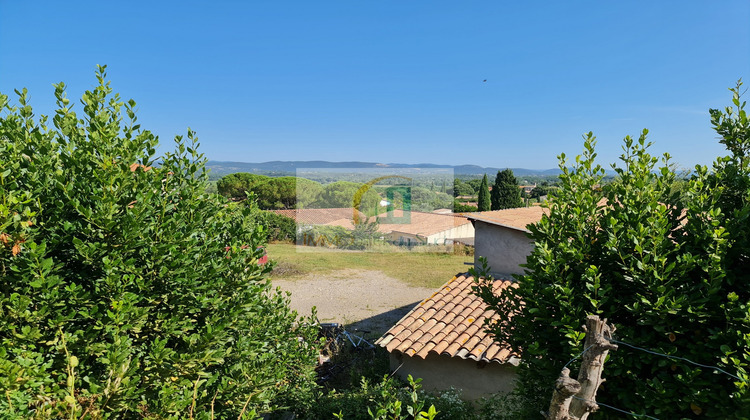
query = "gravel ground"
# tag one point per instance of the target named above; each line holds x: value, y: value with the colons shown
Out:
x: 364, y: 299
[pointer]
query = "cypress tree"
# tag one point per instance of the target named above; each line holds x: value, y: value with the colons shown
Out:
x: 484, y: 196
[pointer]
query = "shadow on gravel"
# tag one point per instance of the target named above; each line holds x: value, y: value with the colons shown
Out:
x: 380, y: 323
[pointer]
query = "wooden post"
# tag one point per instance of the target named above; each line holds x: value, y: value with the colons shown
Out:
x: 563, y: 406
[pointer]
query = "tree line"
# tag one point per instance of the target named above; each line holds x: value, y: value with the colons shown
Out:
x: 288, y: 192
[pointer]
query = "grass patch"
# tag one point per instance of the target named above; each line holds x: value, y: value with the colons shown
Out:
x: 413, y: 268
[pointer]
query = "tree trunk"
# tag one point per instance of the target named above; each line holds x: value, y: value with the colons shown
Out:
x: 597, y: 346
x: 574, y: 400
x: 565, y: 388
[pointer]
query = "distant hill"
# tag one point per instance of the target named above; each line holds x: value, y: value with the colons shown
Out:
x: 281, y: 168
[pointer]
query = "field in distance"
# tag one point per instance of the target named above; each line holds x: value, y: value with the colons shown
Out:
x: 420, y: 269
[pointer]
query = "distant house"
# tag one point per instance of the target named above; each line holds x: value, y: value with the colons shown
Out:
x: 424, y: 228
x: 501, y: 237
x: 527, y: 188
x: 316, y: 217
x: 443, y: 341
x: 414, y: 228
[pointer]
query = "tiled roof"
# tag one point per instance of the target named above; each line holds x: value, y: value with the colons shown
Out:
x: 421, y: 223
x: 344, y: 223
x: 319, y: 216
x: 450, y: 322
x: 512, y: 218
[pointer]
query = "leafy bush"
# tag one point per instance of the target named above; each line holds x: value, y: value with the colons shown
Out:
x: 128, y: 291
x: 668, y: 266
x: 449, y: 405
x: 278, y: 227
x: 459, y: 207
x: 501, y: 407
x: 389, y: 399
x: 363, y: 236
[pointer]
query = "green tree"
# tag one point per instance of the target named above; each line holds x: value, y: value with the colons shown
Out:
x: 474, y: 184
x: 341, y: 194
x: 127, y: 290
x: 235, y: 185
x: 505, y: 192
x: 308, y: 192
x: 540, y: 191
x: 484, y: 196
x: 668, y: 268
x: 461, y: 188
x: 425, y: 200
x: 276, y: 193
x: 271, y: 193
x: 459, y: 207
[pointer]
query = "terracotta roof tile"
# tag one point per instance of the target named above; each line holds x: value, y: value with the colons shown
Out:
x: 440, y: 346
x: 453, y: 348
x: 335, y: 216
x: 397, y: 329
x: 436, y: 329
x: 420, y: 223
x: 492, y: 351
x: 450, y: 322
x: 513, y: 218
x: 426, y: 350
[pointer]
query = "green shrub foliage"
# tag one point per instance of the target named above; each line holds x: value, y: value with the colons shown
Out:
x: 388, y: 399
x: 278, y: 227
x: 127, y: 290
x: 363, y: 236
x: 459, y: 207
x: 668, y: 266
x: 286, y: 192
x: 462, y: 188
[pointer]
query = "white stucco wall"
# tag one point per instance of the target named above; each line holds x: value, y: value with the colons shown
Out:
x: 463, y: 231
x: 504, y: 248
x: 475, y: 380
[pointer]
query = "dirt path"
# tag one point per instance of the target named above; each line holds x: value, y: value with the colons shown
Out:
x: 365, y: 299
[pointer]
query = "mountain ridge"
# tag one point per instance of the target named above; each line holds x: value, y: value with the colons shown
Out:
x: 280, y: 167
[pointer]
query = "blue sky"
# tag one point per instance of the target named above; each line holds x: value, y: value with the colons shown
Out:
x: 395, y: 81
